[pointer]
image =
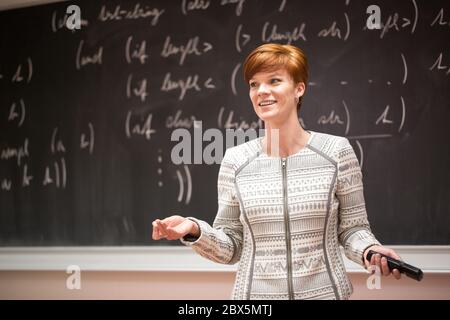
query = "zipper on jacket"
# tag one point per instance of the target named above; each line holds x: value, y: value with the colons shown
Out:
x: 288, y: 231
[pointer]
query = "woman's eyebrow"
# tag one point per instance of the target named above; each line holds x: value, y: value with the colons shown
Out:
x: 269, y: 75
x: 276, y: 73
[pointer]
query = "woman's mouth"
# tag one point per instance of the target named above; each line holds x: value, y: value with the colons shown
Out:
x: 266, y: 103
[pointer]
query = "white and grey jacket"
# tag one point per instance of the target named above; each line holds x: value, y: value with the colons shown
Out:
x: 283, y: 220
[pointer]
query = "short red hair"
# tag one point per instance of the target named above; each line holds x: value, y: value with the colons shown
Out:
x: 272, y: 56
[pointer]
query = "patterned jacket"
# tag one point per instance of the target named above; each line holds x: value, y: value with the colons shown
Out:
x: 283, y: 220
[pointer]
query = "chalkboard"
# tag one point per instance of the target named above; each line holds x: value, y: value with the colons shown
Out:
x: 87, y: 115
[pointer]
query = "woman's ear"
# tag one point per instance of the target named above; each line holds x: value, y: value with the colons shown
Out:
x: 300, y: 89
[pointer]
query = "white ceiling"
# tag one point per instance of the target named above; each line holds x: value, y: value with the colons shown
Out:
x: 12, y: 4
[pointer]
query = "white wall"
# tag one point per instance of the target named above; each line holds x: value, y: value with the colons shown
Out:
x: 179, y: 273
x: 187, y: 285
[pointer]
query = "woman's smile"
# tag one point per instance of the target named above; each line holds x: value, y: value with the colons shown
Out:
x: 266, y: 103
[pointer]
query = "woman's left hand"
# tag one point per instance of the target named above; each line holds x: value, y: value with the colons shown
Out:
x: 381, y: 263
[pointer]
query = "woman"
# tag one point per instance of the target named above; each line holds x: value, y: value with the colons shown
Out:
x: 285, y: 207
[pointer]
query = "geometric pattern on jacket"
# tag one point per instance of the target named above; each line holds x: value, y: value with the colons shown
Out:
x: 285, y: 226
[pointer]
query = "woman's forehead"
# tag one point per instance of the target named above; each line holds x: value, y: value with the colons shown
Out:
x: 277, y: 71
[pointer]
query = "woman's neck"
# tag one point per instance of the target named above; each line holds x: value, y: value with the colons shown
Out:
x: 284, y: 140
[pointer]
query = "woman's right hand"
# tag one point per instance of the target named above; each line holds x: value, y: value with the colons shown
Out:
x: 174, y: 228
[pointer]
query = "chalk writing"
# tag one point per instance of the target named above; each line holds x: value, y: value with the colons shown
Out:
x: 270, y: 34
x: 176, y: 121
x: 136, y: 13
x: 17, y: 153
x: 137, y: 52
x: 17, y: 111
x: 19, y: 74
x: 82, y: 60
x: 56, y: 174
x: 139, y: 90
x: 140, y: 128
x: 190, y: 48
x: 239, y: 5
x: 228, y: 121
x: 88, y: 142
x: 440, y: 20
x: 60, y: 23
x: 331, y: 119
x: 438, y: 65
x: 191, y: 5
x: 56, y: 144
x: 184, y: 85
x: 26, y: 178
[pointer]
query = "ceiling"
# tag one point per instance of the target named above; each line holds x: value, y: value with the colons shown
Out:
x: 12, y: 4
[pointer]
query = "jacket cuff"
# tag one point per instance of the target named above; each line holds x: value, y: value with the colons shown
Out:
x: 357, y: 243
x: 190, y: 240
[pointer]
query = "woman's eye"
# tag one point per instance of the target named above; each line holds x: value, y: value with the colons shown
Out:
x: 252, y: 84
x: 275, y: 80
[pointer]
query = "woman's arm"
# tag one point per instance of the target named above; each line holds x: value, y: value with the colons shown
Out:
x: 223, y: 241
x: 354, y: 230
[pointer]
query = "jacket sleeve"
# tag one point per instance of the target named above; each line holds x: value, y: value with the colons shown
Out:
x: 354, y: 230
x: 222, y: 242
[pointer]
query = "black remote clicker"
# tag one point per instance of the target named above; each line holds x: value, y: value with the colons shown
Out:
x: 409, y: 270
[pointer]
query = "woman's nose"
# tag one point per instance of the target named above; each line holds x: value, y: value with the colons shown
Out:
x: 263, y: 89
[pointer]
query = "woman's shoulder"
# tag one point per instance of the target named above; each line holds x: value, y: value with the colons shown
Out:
x: 327, y: 143
x: 326, y: 137
x: 241, y: 153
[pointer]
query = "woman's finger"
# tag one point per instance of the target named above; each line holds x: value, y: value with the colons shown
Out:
x: 156, y: 235
x: 384, y: 267
x: 162, y: 228
x: 154, y: 231
x: 372, y: 266
x: 377, y: 263
x: 396, y: 274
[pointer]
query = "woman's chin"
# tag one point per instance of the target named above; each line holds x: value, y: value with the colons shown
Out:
x: 267, y: 116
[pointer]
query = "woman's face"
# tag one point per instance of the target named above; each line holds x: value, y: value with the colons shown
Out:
x: 274, y: 95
